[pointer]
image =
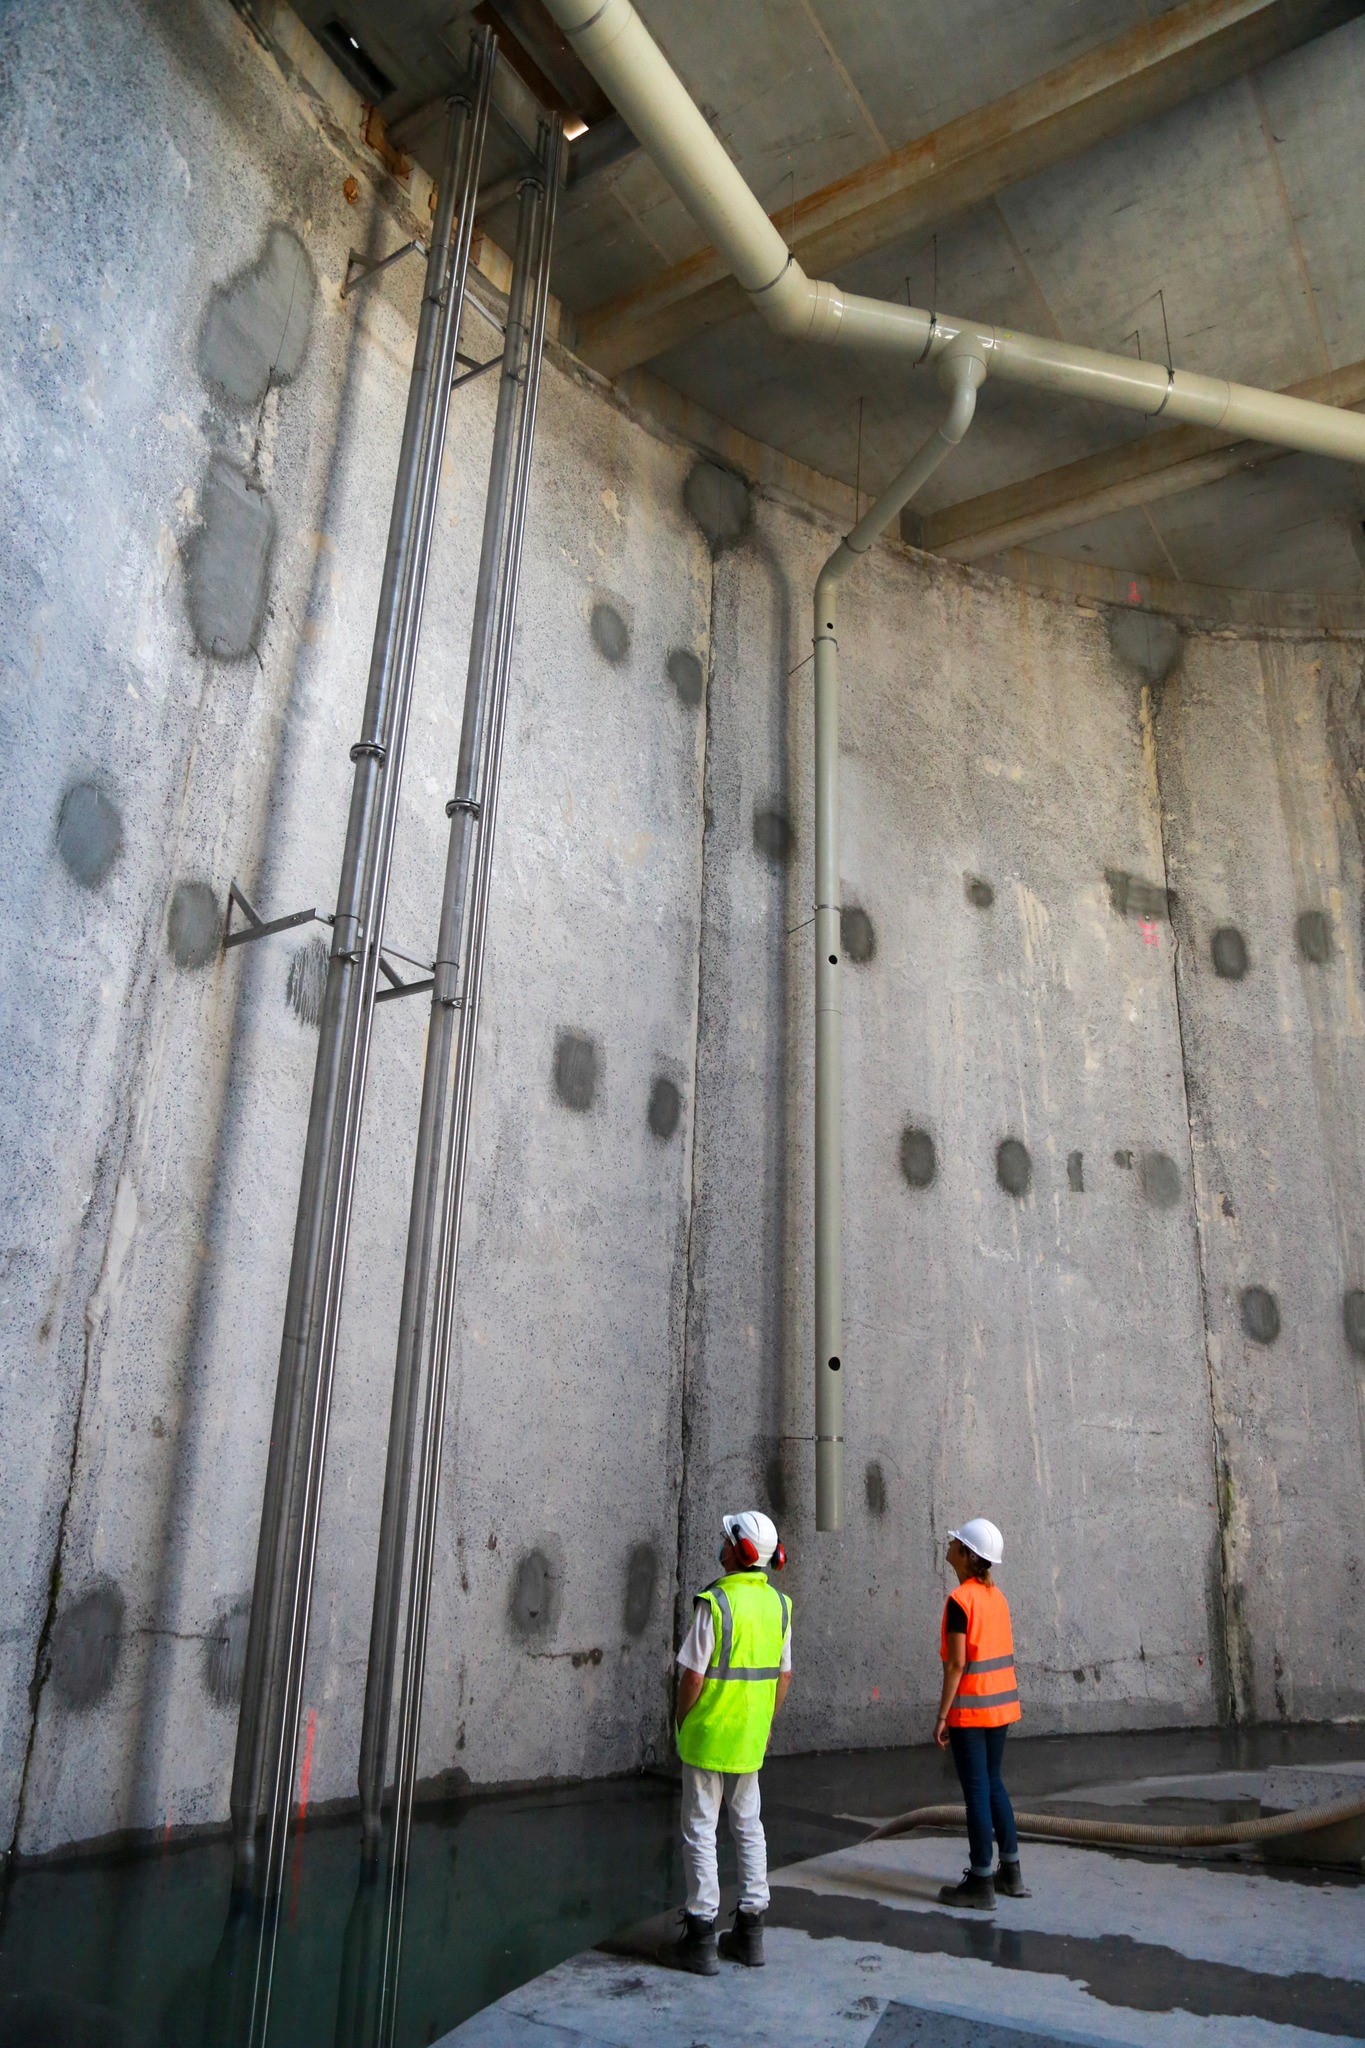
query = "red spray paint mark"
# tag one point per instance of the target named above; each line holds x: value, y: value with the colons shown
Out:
x: 166, y: 1838
x: 305, y: 1779
x: 306, y: 1774
x: 1150, y: 935
x: 1134, y: 595
x: 876, y: 1692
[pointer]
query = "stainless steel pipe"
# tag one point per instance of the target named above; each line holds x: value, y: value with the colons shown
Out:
x: 277, y: 1639
x: 503, y: 611
x: 441, y: 1032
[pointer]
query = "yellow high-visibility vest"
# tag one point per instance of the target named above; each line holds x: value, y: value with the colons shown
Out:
x: 728, y: 1728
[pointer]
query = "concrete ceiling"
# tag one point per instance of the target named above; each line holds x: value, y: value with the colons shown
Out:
x: 1228, y: 176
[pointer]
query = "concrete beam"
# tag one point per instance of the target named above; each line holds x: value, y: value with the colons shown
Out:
x: 1159, y: 466
x: 1190, y: 50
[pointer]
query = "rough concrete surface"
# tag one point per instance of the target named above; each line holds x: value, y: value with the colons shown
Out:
x: 1044, y: 1289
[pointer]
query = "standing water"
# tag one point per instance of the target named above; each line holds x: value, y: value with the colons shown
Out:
x: 123, y: 1951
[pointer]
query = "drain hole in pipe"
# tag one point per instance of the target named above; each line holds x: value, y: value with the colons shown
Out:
x: 834, y: 959
x: 834, y: 1365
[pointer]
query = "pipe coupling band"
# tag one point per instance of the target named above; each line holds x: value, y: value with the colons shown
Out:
x: 464, y: 803
x: 368, y: 750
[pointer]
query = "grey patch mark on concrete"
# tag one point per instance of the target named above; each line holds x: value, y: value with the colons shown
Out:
x: 256, y: 329
x: 194, y: 925
x: 87, y: 1638
x: 537, y: 1586
x: 1229, y: 951
x: 980, y: 894
x: 227, y: 563
x: 773, y: 835
x: 1148, y: 644
x: 1353, y: 1319
x: 874, y: 1487
x: 1131, y: 896
x: 1013, y: 1167
x: 225, y: 1653
x: 665, y: 1106
x: 685, y: 674
x: 1075, y: 1172
x: 1160, y: 1179
x: 89, y: 833
x: 307, y: 984
x: 721, y: 503
x: 610, y: 632
x: 1260, y: 1315
x: 918, y: 1156
x: 857, y: 935
x: 1313, y: 930
x: 575, y: 1069
x: 642, y: 1581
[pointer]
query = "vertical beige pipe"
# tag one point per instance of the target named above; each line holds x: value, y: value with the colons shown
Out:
x: 961, y: 373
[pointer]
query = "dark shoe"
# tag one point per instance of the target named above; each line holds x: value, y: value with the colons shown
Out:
x: 976, y: 1892
x: 694, y: 1950
x: 1009, y: 1881
x: 743, y: 1943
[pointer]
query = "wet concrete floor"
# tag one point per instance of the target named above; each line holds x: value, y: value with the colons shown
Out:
x: 1112, y: 1947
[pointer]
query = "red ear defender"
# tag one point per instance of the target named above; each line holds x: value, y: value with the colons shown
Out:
x: 747, y: 1549
x: 779, y: 1556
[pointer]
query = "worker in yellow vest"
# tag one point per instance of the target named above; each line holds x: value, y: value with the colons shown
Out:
x: 733, y: 1673
x: 979, y: 1702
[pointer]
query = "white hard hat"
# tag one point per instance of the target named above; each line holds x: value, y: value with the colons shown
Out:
x: 981, y: 1536
x: 751, y: 1530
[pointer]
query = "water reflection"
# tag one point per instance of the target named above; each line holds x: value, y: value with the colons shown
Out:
x: 140, y: 1951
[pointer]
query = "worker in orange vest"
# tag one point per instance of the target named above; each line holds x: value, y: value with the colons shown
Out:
x: 980, y: 1700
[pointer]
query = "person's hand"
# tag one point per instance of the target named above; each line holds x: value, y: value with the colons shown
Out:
x: 941, y: 1731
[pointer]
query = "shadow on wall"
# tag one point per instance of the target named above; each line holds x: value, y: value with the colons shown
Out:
x: 254, y: 339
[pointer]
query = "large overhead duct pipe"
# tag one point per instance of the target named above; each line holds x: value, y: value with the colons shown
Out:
x: 618, y: 49
x: 630, y: 67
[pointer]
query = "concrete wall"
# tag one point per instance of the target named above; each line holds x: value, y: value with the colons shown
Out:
x: 206, y: 435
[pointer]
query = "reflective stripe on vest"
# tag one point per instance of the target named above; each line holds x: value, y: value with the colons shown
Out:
x: 988, y: 1691
x: 727, y: 1730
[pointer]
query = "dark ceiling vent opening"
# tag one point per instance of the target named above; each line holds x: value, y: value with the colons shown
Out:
x: 537, y: 49
x: 345, y: 48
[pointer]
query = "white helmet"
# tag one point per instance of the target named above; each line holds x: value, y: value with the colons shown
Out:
x: 752, y: 1531
x: 980, y: 1536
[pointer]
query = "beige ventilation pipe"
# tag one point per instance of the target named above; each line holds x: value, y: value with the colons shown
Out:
x: 622, y: 55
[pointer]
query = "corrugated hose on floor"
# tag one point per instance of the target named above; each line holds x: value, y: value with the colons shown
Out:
x: 1056, y: 1827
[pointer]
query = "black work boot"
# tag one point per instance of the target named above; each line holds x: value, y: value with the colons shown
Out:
x: 1009, y: 1881
x: 743, y: 1943
x: 694, y: 1949
x: 976, y: 1892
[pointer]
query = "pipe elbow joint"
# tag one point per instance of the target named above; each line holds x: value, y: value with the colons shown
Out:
x: 962, y: 372
x: 800, y: 307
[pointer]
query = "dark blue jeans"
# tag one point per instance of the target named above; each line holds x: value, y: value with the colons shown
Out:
x: 978, y: 1754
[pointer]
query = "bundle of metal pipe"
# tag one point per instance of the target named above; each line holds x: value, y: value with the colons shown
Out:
x: 448, y: 1081
x: 267, y: 1735
x: 618, y: 49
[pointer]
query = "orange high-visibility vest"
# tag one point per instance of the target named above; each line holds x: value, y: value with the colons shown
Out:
x: 988, y: 1691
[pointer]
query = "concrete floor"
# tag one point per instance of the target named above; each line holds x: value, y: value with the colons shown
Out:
x: 1110, y: 1947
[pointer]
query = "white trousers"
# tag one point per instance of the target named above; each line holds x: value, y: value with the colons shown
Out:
x: 702, y: 1793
